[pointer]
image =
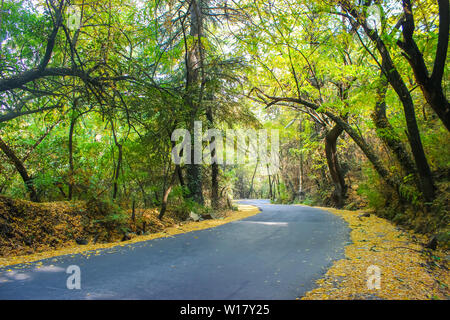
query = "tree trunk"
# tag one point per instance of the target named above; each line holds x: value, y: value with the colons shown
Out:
x: 195, y: 184
x: 431, y: 86
x: 214, y: 185
x: 270, y: 184
x: 253, y: 177
x: 300, y: 176
x: 133, y: 211
x: 340, y: 189
x: 21, y: 169
x: 278, y: 186
x: 426, y: 180
x: 119, y: 163
x: 177, y: 173
x: 180, y: 174
x: 397, y: 83
x: 214, y: 166
x: 366, y: 149
x: 194, y: 63
x: 166, y: 196
x: 178, y: 169
x: 71, y: 167
x: 387, y: 134
x: 117, y: 171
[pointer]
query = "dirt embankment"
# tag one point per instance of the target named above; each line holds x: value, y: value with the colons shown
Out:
x: 27, y: 227
x: 32, y: 231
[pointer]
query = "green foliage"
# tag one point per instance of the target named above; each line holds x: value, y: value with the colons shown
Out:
x: 106, y: 215
x: 185, y: 207
x: 372, y: 190
x: 409, y: 192
x: 308, y: 202
x: 282, y: 194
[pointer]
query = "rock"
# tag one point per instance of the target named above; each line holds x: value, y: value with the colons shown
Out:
x: 128, y: 236
x: 81, y: 241
x: 432, y: 244
x: 193, y: 216
x: 207, y: 216
x: 364, y: 215
x: 215, y: 215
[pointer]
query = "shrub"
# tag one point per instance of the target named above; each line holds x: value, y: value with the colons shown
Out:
x: 105, y: 217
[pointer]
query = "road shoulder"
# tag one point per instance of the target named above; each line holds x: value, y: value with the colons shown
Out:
x: 406, y: 270
x: 243, y: 212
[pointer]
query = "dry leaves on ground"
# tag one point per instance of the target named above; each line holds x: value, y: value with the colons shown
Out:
x: 244, y: 211
x: 407, y: 271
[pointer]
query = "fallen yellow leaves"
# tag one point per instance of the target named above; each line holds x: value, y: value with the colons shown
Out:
x: 29, y: 227
x: 405, y: 269
x: 244, y: 211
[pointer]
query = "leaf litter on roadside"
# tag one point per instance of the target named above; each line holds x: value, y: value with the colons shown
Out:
x: 406, y: 268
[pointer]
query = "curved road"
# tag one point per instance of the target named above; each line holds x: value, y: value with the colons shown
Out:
x: 277, y: 254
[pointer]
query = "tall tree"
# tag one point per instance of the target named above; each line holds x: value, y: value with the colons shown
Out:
x: 194, y: 92
x: 398, y: 84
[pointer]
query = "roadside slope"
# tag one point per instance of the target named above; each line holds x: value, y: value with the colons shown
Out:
x: 169, y: 228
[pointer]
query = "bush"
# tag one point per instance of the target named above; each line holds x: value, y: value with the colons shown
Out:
x: 308, y: 201
x: 105, y: 218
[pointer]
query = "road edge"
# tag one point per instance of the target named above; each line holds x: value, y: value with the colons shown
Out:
x: 405, y: 272
x: 243, y: 212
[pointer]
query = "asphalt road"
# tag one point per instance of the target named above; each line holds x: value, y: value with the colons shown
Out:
x: 277, y: 254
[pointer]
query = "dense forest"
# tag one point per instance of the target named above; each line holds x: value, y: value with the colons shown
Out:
x: 92, y: 90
